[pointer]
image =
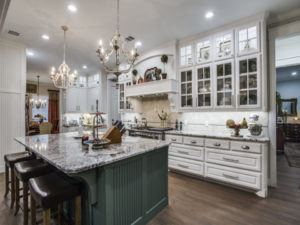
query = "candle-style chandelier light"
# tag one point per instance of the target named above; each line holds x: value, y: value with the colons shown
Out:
x: 37, y: 101
x: 117, y: 58
x: 62, y: 78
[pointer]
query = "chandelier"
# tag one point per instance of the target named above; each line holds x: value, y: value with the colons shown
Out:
x: 37, y: 101
x: 62, y: 78
x: 117, y: 58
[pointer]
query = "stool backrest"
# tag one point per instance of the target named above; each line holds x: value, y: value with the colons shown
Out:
x: 45, y: 128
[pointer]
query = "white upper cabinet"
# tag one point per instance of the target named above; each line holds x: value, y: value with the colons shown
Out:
x: 124, y: 104
x: 224, y: 83
x: 204, y: 86
x: 203, y: 51
x: 248, y: 39
x: 224, y: 47
x: 186, y: 88
x: 186, y: 55
x: 248, y: 85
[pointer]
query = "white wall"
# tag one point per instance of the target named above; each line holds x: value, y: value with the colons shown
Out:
x: 12, y: 97
x: 288, y: 51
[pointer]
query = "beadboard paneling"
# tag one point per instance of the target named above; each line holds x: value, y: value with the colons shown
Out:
x: 12, y: 97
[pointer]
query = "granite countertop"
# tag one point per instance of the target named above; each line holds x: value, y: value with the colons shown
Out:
x: 66, y: 153
x: 219, y: 134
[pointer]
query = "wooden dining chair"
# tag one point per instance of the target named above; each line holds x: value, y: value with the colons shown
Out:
x: 45, y: 128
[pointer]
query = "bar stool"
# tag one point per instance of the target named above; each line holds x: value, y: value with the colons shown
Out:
x: 23, y: 172
x: 51, y: 191
x: 10, y: 161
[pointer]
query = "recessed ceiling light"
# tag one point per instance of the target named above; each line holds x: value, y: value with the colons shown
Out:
x: 84, y: 67
x: 294, y: 73
x: 45, y: 37
x: 72, y: 8
x: 209, y: 15
x: 138, y: 44
x: 29, y: 53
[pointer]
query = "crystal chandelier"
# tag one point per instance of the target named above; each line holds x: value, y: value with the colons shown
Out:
x: 37, y: 101
x: 62, y: 78
x: 117, y: 58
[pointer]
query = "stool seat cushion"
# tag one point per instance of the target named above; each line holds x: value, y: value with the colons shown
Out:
x: 31, y: 168
x: 11, y: 159
x: 52, y: 189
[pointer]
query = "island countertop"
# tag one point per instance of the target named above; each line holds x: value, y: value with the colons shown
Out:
x: 66, y: 153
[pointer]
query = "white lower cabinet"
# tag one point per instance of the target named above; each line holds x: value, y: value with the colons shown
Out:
x: 238, y: 163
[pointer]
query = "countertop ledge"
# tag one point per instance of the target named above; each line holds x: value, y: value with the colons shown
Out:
x: 65, y: 152
x: 219, y: 136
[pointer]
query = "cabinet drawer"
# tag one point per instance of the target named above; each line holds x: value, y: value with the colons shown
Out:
x: 173, y: 138
x: 193, y: 141
x: 239, y: 160
x: 187, y: 152
x: 233, y: 176
x: 246, y: 147
x: 186, y: 165
x: 215, y: 143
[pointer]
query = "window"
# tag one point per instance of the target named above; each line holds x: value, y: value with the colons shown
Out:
x: 204, y: 86
x: 186, y: 88
x: 186, y: 56
x: 203, y: 51
x: 224, y: 84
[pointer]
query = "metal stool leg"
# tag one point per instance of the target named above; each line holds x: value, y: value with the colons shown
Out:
x: 25, y: 203
x: 78, y: 210
x: 12, y: 190
x: 17, y: 186
x: 33, y: 210
x: 47, y: 217
x: 6, y: 180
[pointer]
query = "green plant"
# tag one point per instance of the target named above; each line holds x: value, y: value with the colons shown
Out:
x: 164, y: 59
x: 134, y: 72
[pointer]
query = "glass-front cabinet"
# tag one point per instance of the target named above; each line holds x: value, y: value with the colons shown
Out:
x: 248, y: 39
x: 224, y: 45
x: 186, y: 56
x: 204, y: 86
x: 248, y: 81
x: 124, y: 104
x: 203, y: 51
x: 224, y: 83
x: 186, y: 88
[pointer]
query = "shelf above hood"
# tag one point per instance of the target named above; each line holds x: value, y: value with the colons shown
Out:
x: 153, y: 88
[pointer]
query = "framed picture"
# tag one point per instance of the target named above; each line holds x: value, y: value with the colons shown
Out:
x: 31, y: 88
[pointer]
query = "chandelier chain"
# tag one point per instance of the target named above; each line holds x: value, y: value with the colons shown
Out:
x: 118, y: 16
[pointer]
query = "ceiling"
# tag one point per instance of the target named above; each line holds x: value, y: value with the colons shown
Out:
x: 153, y: 22
x: 288, y: 73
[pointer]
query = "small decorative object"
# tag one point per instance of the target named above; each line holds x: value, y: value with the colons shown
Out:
x: 236, y: 127
x: 140, y: 80
x: 134, y: 73
x: 158, y: 74
x: 254, y: 127
x: 150, y: 74
x: 244, y: 124
x: 164, y: 59
x: 163, y: 118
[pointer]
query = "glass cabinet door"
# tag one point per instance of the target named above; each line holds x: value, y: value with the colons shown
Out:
x: 204, y: 86
x: 248, y: 39
x: 248, y: 81
x: 224, y: 46
x: 186, y: 56
x: 203, y: 51
x: 121, y: 96
x: 224, y: 85
x: 186, y: 88
x: 127, y: 103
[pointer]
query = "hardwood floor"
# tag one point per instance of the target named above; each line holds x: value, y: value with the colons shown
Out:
x: 196, y: 202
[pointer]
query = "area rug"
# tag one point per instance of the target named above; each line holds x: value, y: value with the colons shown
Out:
x: 292, y: 153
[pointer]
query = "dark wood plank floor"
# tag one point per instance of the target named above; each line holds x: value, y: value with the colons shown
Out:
x: 196, y: 202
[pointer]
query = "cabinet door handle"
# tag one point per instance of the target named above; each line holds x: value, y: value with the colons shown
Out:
x: 193, y: 142
x: 183, y: 166
x: 183, y: 152
x: 231, y: 160
x: 230, y: 176
x: 217, y: 144
x: 246, y: 147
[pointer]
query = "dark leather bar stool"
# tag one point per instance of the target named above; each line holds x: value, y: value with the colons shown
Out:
x: 10, y: 161
x: 23, y: 172
x: 50, y: 191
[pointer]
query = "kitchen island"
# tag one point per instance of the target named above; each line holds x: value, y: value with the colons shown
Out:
x: 123, y: 184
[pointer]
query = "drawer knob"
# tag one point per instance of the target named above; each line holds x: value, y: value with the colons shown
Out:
x: 183, y: 166
x: 173, y: 139
x: 217, y: 144
x: 183, y: 152
x: 193, y: 142
x: 230, y: 176
x: 231, y: 160
x: 246, y: 147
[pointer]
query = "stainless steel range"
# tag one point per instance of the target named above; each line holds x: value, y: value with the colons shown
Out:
x: 149, y: 132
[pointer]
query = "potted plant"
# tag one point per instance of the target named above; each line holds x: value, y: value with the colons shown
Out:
x: 164, y: 59
x: 134, y: 73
